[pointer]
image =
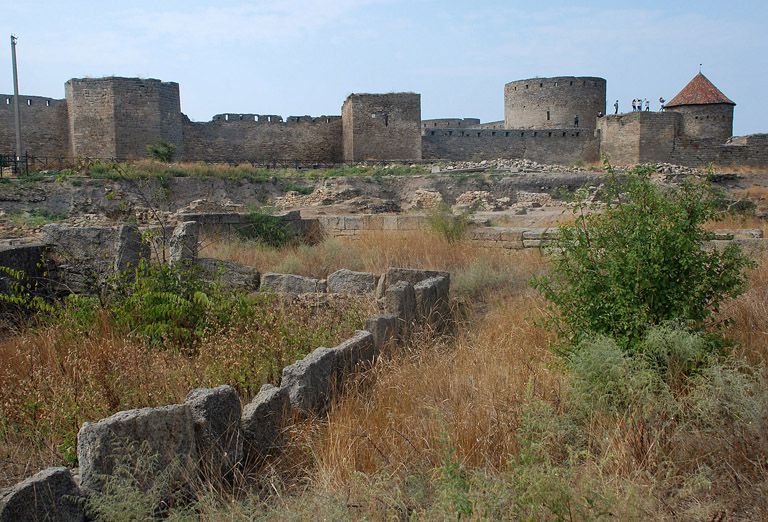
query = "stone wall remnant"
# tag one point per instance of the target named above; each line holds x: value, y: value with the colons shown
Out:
x: 348, y: 282
x: 166, y: 433
x: 262, y: 421
x: 185, y: 242
x: 291, y: 284
x: 51, y: 495
x: 216, y: 415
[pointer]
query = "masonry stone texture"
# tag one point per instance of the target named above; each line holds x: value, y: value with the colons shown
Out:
x: 549, y: 120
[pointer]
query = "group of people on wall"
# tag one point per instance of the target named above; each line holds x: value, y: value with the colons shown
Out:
x: 638, y: 104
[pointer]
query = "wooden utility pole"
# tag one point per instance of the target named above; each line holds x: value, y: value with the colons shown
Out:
x: 16, y: 113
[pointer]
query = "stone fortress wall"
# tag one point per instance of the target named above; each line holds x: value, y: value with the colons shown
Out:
x: 118, y: 117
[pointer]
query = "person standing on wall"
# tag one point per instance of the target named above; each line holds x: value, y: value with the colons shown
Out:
x: 662, y: 101
x: 634, y: 105
x: 647, y: 105
x: 576, y: 120
x: 616, y: 107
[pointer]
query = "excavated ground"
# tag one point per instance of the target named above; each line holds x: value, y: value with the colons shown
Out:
x: 514, y: 193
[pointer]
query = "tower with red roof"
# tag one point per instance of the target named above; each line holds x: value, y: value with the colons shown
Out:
x: 707, y: 112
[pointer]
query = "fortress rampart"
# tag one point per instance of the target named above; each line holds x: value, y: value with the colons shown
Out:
x: 118, y: 117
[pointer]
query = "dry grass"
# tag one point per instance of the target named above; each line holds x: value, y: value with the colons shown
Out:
x: 468, y: 397
x: 748, y: 317
x: 56, y: 379
x: 474, y: 271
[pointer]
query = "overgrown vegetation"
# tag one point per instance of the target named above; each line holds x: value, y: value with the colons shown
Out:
x: 267, y: 229
x: 447, y: 224
x: 36, y: 218
x: 161, y: 151
x: 147, y: 343
x: 640, y: 262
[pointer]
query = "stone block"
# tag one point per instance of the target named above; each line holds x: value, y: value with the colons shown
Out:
x: 534, y: 233
x: 383, y: 328
x: 433, y: 301
x: 400, y: 300
x: 262, y: 421
x: 49, y: 495
x: 216, y: 415
x: 354, y: 222
x: 358, y: 349
x: 230, y: 275
x: 291, y: 284
x: 166, y: 434
x: 129, y: 248
x: 310, y: 382
x: 411, y: 275
x: 185, y: 242
x: 485, y: 234
x: 348, y: 282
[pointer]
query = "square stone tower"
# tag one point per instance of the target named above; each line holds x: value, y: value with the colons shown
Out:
x: 382, y: 126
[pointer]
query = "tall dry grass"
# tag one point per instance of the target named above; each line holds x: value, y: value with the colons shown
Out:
x: 474, y: 270
x: 54, y: 379
x: 468, y: 397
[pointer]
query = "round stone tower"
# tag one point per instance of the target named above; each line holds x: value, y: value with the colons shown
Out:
x: 545, y: 103
x: 707, y: 112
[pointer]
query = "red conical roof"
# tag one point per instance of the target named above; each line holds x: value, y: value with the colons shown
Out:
x: 699, y: 91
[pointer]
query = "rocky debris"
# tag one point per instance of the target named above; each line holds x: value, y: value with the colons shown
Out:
x: 477, y: 200
x: 262, y: 421
x: 230, y: 275
x: 216, y: 414
x: 206, y: 205
x: 291, y: 284
x: 534, y: 199
x: 669, y: 168
x: 184, y: 242
x: 51, y: 495
x: 348, y: 282
x: 423, y: 199
x: 309, y: 382
x: 129, y: 248
x: 510, y: 165
x: 163, y: 436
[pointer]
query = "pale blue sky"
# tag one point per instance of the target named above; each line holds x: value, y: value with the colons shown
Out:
x: 296, y: 57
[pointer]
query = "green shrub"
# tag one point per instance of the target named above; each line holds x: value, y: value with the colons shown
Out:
x: 268, y: 229
x: 640, y: 262
x: 161, y: 151
x: 452, y: 227
x: 166, y: 305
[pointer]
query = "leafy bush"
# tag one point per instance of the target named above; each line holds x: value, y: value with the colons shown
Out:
x: 161, y: 151
x: 268, y: 229
x: 640, y: 262
x: 446, y: 224
x: 166, y: 305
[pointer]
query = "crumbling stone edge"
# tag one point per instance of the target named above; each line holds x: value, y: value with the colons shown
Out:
x: 208, y: 435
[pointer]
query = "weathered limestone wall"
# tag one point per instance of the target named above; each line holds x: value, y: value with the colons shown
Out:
x: 449, y: 123
x: 706, y: 121
x: 119, y: 117
x: 646, y: 137
x: 44, y: 126
x: 382, y: 127
x: 540, y: 103
x: 250, y: 137
x: 564, y: 146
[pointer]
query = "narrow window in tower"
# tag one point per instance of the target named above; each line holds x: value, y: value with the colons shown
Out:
x: 47, y: 103
x: 29, y: 103
x: 541, y: 85
x: 7, y: 101
x: 535, y: 134
x: 479, y: 133
x: 226, y: 117
x: 522, y: 134
x: 571, y: 83
x: 493, y: 134
x: 555, y: 84
x: 547, y: 115
x: 432, y: 133
x: 550, y: 134
x: 526, y: 86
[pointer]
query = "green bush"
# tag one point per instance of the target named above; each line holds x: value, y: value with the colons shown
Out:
x: 161, y: 151
x: 452, y: 227
x: 267, y: 229
x: 640, y: 262
x: 166, y: 305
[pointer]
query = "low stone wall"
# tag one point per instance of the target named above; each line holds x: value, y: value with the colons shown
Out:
x: 208, y: 434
